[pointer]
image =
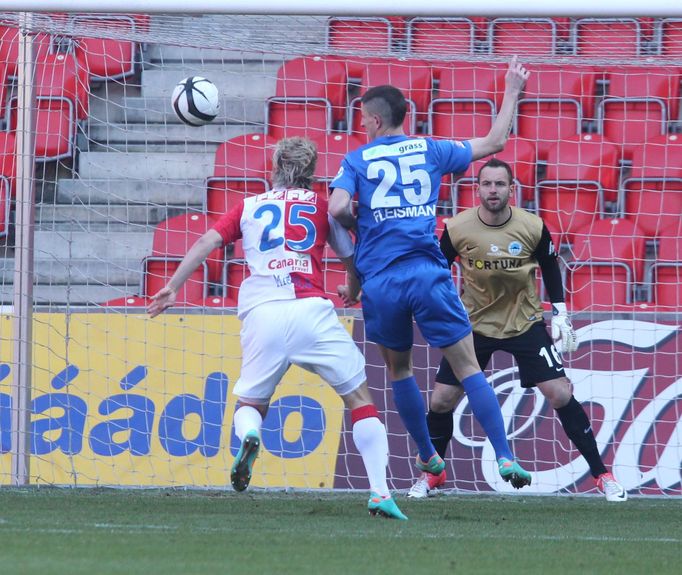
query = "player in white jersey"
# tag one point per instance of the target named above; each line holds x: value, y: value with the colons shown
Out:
x: 286, y: 316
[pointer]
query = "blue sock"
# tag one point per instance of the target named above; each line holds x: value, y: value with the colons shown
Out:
x: 486, y: 410
x: 412, y: 411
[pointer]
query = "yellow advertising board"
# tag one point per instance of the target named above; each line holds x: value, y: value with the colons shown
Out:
x: 124, y: 400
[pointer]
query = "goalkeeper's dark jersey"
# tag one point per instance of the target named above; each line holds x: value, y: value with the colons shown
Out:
x: 498, y: 268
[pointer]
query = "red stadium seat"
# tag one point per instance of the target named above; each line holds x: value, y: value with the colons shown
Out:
x: 665, y: 275
x: 106, y: 58
x: 8, y: 158
x: 242, y: 167
x: 582, y: 172
x: 612, y: 36
x: 520, y: 155
x: 412, y: 77
x: 668, y: 37
x: 158, y: 270
x: 173, y: 238
x: 652, y: 192
x: 554, y: 103
x: 9, y: 47
x: 62, y: 91
x: 442, y: 36
x: 359, y: 34
x: 330, y: 152
x: 467, y: 99
x: 133, y: 301
x: 236, y: 270
x: 609, y: 260
x: 310, y: 96
x: 638, y: 104
x: 524, y: 36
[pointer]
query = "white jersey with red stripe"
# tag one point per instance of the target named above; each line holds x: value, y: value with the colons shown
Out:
x: 283, y: 234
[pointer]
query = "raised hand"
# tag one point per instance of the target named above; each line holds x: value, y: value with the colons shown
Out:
x: 516, y: 76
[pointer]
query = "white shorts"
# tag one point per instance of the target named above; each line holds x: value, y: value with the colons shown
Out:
x: 305, y: 332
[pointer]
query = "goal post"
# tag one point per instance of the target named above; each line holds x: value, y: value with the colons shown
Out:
x: 123, y: 189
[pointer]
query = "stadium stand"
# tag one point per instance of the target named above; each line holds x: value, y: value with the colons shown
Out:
x: 360, y: 34
x: 664, y: 276
x: 242, y: 166
x: 443, y: 36
x: 652, y: 192
x: 106, y: 58
x: 608, y: 262
x: 668, y: 37
x: 522, y: 36
x: 582, y: 174
x: 466, y: 100
x: 638, y: 103
x: 413, y: 77
x: 309, y: 97
x: 158, y: 270
x: 554, y: 103
x: 612, y: 36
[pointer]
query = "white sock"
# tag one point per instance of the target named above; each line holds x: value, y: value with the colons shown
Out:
x: 246, y: 419
x: 369, y: 435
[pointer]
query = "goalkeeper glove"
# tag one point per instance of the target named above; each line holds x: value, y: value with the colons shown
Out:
x: 561, y: 327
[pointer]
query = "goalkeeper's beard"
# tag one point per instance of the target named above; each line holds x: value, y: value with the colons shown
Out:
x: 496, y: 208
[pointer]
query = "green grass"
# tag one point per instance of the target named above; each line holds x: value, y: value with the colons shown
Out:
x: 94, y: 531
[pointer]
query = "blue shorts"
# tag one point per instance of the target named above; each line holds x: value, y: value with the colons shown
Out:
x: 414, y: 288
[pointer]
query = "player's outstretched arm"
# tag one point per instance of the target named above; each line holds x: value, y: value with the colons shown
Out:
x: 196, y: 255
x: 494, y: 141
x: 341, y: 209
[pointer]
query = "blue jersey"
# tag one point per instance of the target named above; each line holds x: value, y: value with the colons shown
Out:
x: 396, y: 180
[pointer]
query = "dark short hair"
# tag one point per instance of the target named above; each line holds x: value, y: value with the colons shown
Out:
x: 388, y: 102
x: 495, y: 163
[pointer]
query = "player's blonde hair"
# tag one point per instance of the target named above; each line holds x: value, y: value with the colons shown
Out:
x: 293, y: 163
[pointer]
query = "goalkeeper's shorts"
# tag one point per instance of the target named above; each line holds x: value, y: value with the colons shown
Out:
x: 534, y: 352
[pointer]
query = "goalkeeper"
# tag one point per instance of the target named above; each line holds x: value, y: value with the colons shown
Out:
x: 500, y: 248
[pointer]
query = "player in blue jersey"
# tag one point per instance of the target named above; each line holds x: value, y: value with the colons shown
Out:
x: 403, y: 273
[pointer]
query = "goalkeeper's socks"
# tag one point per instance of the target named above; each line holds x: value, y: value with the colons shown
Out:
x: 577, y: 426
x: 247, y: 418
x: 486, y: 410
x: 440, y: 430
x: 369, y: 436
x: 410, y: 404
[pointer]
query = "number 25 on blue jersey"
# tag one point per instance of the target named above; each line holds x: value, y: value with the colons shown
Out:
x: 409, y: 172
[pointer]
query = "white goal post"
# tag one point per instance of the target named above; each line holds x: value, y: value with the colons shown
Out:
x: 98, y: 394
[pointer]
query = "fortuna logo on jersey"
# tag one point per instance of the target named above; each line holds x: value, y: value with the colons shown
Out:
x: 292, y: 262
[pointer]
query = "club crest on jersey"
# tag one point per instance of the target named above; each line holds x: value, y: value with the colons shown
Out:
x: 292, y: 262
x: 514, y: 248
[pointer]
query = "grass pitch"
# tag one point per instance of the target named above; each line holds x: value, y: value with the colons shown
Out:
x: 94, y: 531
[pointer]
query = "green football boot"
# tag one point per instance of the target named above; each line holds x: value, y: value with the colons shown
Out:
x: 513, y: 473
x: 240, y: 476
x: 434, y: 465
x: 385, y: 507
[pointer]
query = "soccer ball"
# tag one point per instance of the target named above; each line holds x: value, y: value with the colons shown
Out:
x: 196, y: 101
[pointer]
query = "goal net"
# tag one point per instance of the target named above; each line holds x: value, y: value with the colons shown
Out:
x: 123, y: 188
